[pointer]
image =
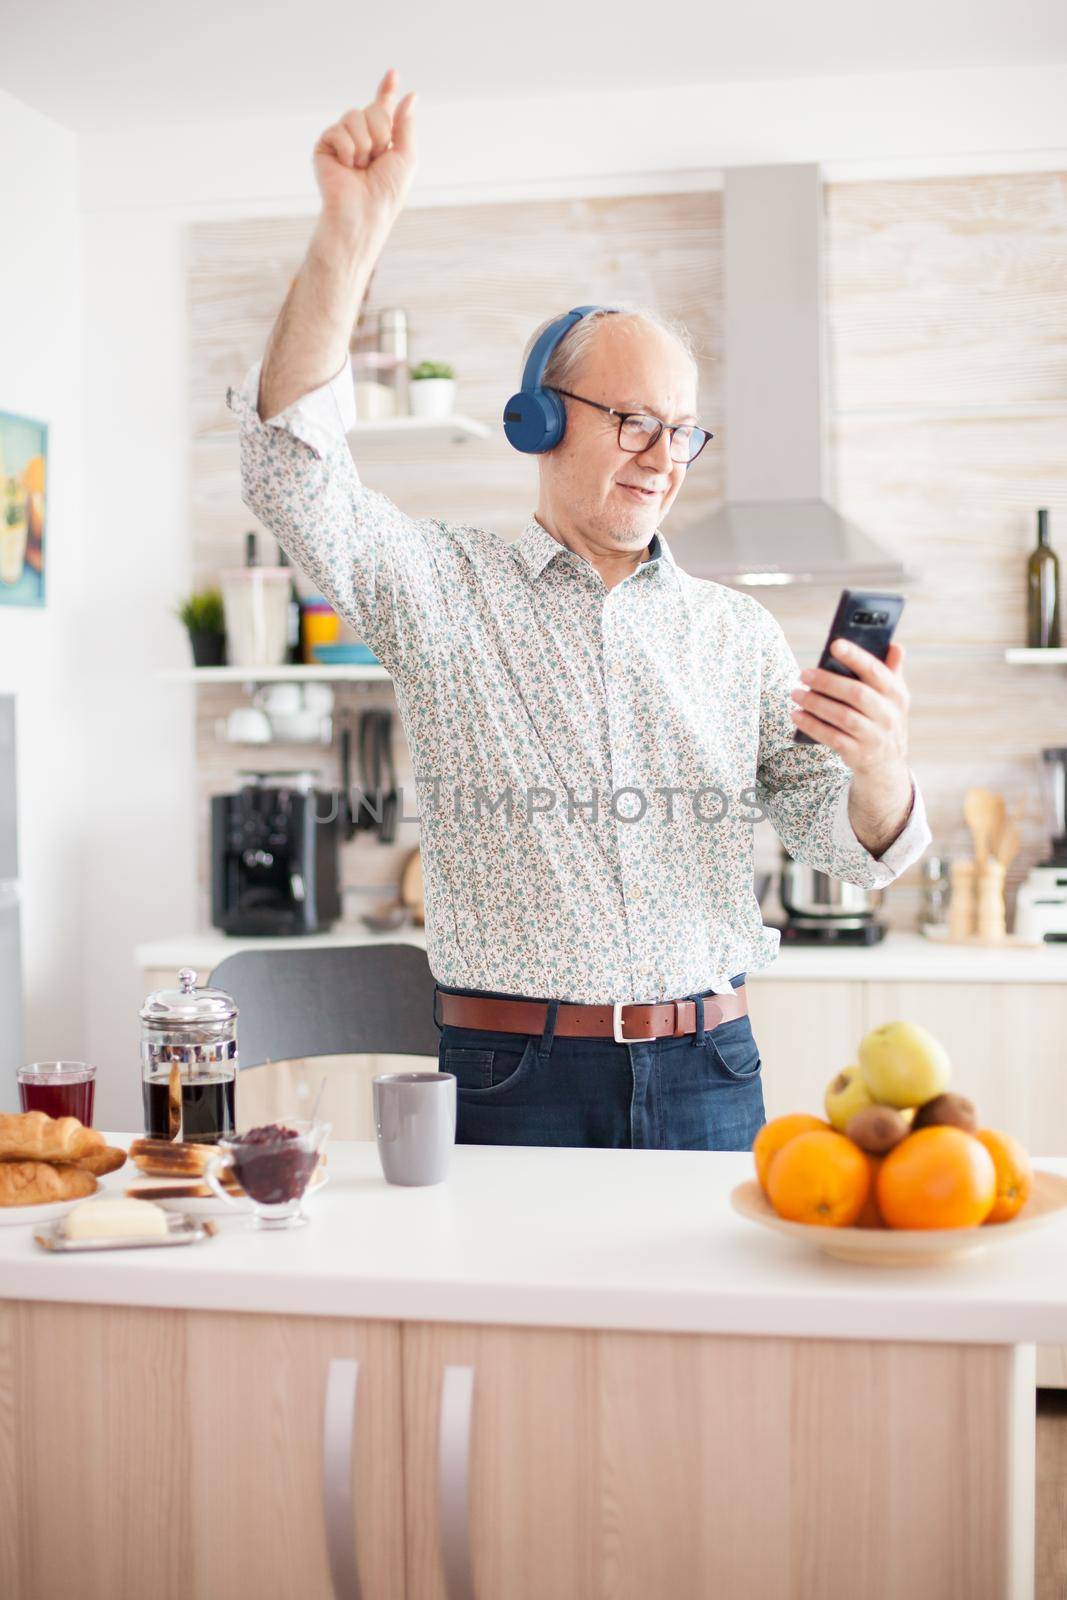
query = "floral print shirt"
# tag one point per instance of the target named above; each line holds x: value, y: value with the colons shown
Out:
x: 589, y: 761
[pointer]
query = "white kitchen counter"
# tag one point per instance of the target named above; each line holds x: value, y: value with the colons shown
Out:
x: 901, y: 957
x: 637, y: 1239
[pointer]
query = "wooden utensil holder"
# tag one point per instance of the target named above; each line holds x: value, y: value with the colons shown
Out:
x: 991, y: 923
x: 961, y: 906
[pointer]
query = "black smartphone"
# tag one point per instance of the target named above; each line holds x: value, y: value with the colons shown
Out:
x: 865, y: 618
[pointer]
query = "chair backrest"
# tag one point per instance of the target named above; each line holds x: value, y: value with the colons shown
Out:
x: 337, y: 1000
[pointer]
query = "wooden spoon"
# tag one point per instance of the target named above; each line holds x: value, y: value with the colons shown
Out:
x: 1008, y: 842
x: 983, y: 812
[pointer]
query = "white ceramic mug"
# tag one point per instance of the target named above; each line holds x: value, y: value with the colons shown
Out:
x: 280, y: 699
x: 247, y: 725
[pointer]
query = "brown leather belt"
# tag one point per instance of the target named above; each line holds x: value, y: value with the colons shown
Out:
x: 627, y: 1022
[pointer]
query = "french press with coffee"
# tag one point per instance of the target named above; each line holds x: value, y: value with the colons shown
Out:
x: 189, y: 1062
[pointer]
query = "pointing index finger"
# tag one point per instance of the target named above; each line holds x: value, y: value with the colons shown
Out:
x: 387, y: 89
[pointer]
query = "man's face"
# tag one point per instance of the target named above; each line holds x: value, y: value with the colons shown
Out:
x: 632, y: 366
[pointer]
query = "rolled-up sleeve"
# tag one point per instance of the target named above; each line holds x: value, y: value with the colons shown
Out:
x: 377, y: 566
x: 804, y: 788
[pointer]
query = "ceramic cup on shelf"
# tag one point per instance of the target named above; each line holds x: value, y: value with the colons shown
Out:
x: 279, y: 699
x: 244, y: 725
x: 318, y: 697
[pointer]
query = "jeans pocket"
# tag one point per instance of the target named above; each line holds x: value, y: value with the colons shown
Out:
x: 473, y: 1069
x: 484, y: 1070
x: 732, y: 1049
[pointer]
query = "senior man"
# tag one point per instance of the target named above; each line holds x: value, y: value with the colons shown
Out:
x: 593, y: 731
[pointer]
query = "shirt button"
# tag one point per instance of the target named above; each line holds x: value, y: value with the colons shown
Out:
x: 636, y: 894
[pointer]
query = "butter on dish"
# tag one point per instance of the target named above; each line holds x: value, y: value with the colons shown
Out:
x: 117, y: 1218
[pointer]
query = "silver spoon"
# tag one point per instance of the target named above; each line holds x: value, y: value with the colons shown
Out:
x: 318, y: 1101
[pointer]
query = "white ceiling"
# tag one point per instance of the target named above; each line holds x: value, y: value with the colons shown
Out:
x: 106, y: 64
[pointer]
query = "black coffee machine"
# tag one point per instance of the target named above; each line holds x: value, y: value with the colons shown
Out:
x: 275, y: 862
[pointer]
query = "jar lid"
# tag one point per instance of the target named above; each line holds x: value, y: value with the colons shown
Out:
x: 188, y: 1003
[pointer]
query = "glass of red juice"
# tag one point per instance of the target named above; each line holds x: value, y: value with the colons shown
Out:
x: 59, y: 1088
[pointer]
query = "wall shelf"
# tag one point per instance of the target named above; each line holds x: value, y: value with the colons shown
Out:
x: 457, y: 428
x: 1024, y: 657
x: 361, y: 673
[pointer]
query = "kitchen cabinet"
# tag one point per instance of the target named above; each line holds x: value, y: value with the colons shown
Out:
x: 580, y: 1465
x: 179, y: 1454
x: 578, y: 1374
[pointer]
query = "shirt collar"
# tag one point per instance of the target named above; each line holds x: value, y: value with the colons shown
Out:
x: 537, y: 547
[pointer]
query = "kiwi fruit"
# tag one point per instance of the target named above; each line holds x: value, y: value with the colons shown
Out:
x: 947, y: 1111
x: 876, y: 1129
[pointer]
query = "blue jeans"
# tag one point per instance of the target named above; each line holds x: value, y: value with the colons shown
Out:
x: 702, y: 1091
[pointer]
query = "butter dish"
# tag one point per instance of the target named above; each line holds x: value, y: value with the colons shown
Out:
x: 180, y: 1230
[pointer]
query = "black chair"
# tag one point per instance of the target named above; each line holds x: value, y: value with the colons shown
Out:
x: 343, y: 1000
x: 337, y: 1000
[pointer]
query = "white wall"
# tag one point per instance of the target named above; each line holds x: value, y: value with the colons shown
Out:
x: 41, y: 365
x: 119, y: 529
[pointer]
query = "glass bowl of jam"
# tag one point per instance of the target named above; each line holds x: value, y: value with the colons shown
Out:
x: 273, y: 1164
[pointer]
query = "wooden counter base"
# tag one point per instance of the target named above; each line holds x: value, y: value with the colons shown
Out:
x: 179, y: 1454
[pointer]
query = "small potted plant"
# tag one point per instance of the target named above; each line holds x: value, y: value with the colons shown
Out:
x: 432, y: 389
x: 202, y: 615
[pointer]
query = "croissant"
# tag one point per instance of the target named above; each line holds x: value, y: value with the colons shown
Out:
x: 33, y: 1136
x: 38, y: 1183
x: 109, y: 1158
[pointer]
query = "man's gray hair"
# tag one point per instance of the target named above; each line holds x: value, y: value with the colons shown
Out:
x: 566, y: 358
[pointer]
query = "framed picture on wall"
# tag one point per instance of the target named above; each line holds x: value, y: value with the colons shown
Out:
x: 23, y: 474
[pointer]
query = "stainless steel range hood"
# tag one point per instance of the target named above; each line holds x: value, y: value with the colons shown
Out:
x: 776, y: 526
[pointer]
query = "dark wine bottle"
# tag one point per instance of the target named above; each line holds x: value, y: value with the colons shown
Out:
x: 1043, y: 591
x: 293, y: 616
x: 251, y: 559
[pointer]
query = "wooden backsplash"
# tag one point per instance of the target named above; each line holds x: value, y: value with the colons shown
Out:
x: 947, y: 324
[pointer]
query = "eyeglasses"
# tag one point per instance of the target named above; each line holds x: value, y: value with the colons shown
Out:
x: 638, y: 431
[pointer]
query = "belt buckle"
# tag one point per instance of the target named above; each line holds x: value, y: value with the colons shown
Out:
x: 616, y: 1025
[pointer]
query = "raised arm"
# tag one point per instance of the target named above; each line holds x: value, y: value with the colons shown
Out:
x: 379, y: 567
x: 364, y: 165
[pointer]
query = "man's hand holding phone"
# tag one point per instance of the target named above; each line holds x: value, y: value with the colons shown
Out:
x: 865, y: 718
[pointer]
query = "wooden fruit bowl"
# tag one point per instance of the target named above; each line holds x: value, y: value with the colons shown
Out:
x: 908, y: 1247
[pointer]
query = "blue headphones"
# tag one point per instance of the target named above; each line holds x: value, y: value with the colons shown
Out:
x: 535, y: 419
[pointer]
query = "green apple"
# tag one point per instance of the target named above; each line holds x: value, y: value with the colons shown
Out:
x: 845, y: 1095
x: 903, y: 1064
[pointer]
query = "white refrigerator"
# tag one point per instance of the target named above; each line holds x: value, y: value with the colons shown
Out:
x: 11, y: 1037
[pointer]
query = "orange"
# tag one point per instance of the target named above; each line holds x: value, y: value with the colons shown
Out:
x: 939, y: 1177
x: 1015, y: 1175
x: 776, y: 1133
x: 819, y: 1177
x: 870, y: 1216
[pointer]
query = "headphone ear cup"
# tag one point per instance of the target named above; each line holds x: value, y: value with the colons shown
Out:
x: 535, y: 420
